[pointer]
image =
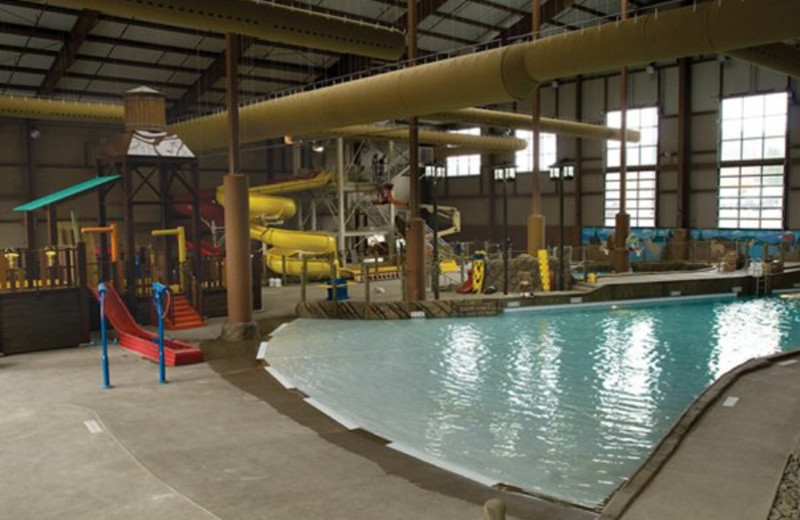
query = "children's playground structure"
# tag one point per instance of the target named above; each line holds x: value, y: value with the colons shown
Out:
x: 153, y: 171
x: 318, y: 226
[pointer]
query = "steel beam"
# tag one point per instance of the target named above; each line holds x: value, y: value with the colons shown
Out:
x: 80, y: 30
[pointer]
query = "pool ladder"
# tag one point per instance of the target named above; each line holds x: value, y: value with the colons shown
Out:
x: 761, y: 272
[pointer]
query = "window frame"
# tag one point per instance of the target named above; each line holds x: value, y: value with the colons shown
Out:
x: 751, y: 173
x: 634, y: 172
x: 457, y: 163
x: 546, y: 158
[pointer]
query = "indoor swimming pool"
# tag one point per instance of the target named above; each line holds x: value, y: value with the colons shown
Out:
x: 564, y: 403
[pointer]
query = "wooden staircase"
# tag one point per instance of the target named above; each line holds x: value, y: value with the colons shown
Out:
x: 182, y: 315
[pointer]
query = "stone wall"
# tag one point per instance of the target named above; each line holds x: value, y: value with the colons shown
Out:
x: 399, y: 310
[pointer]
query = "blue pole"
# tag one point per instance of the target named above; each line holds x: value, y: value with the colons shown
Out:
x: 158, y: 294
x: 101, y: 293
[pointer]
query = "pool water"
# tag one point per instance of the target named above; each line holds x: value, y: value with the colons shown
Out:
x: 564, y: 403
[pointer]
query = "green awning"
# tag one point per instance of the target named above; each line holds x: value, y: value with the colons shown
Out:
x: 67, y: 193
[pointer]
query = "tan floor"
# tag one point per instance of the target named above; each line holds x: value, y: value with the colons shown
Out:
x: 223, y: 440
x: 195, y: 448
x: 729, y: 465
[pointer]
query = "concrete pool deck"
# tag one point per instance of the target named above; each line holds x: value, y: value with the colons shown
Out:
x: 224, y: 440
x: 221, y: 440
x: 729, y: 464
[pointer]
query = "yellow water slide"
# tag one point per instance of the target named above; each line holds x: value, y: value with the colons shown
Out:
x: 288, y: 246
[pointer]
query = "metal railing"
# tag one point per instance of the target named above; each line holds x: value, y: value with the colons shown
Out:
x: 42, y: 269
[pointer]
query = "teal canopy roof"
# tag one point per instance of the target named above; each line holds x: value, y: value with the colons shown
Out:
x: 67, y: 193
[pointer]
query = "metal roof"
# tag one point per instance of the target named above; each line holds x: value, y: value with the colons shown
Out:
x: 68, y: 193
x: 110, y: 54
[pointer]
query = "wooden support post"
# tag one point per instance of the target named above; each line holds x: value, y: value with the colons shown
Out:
x: 622, y: 222
x: 128, y: 267
x: 303, y: 278
x: 30, y: 184
x: 415, y: 233
x: 333, y: 282
x: 83, y: 293
x: 31, y: 271
x: 52, y: 225
x: 258, y: 261
x: 197, y: 257
x: 237, y: 213
x: 578, y: 158
x: 30, y: 229
x: 104, y: 260
x: 536, y: 221
x: 70, y: 260
x: 365, y: 277
x: 171, y: 266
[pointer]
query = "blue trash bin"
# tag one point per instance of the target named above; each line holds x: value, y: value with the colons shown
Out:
x: 340, y: 286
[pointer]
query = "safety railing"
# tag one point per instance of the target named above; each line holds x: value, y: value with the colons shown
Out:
x: 42, y: 269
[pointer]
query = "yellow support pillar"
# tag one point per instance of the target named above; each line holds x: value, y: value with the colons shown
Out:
x: 544, y: 269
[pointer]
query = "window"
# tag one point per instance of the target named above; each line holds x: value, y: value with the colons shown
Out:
x: 547, y: 151
x: 464, y: 165
x: 752, y: 150
x: 640, y: 200
x: 640, y: 177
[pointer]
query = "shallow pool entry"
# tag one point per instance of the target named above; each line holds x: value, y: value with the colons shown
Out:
x: 564, y: 403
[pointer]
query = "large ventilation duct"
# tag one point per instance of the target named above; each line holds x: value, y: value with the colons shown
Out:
x: 779, y: 57
x: 510, y: 73
x: 60, y: 110
x: 41, y: 108
x: 515, y: 121
x: 267, y: 21
x: 482, y: 143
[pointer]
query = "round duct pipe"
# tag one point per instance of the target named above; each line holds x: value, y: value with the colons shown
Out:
x: 60, y: 110
x: 268, y: 21
x: 510, y: 73
x: 514, y: 120
x: 481, y: 143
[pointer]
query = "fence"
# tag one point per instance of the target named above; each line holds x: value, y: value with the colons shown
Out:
x: 43, y: 269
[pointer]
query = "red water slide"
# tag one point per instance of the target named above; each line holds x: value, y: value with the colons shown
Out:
x: 135, y: 338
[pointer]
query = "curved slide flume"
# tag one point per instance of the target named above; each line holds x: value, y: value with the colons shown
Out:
x: 288, y: 246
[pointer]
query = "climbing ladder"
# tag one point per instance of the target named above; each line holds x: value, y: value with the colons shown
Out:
x: 760, y: 271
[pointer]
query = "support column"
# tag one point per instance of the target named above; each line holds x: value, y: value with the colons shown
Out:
x: 488, y: 175
x: 30, y: 184
x: 197, y: 257
x: 237, y: 249
x: 102, y: 221
x: 341, y: 206
x: 415, y: 234
x: 313, y: 214
x: 578, y: 159
x: 130, y: 237
x: 623, y: 220
x: 52, y: 225
x: 163, y: 189
x: 30, y: 229
x: 83, y: 288
x: 240, y: 324
x: 301, y: 225
x: 297, y: 159
x: 536, y: 223
x: 682, y: 218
